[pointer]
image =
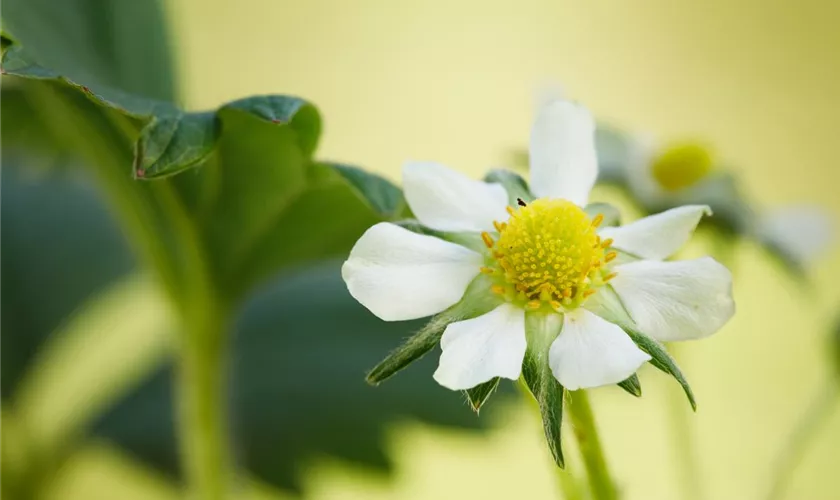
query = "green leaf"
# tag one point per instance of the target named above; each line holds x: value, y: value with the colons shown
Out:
x: 171, y: 144
x: 541, y: 330
x: 287, y: 358
x: 477, y: 300
x: 661, y: 359
x: 383, y: 196
x: 258, y: 205
x: 296, y: 390
x: 479, y: 394
x: 632, y: 386
x: 57, y: 236
x: 515, y: 185
x: 123, y: 45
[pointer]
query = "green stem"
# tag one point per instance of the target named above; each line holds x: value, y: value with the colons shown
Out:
x: 583, y: 424
x: 801, y: 438
x: 569, y: 485
x: 684, y: 448
x: 203, y: 419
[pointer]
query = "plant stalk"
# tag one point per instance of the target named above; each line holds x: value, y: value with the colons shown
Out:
x: 586, y: 432
x: 202, y: 384
x: 684, y: 442
x: 801, y: 438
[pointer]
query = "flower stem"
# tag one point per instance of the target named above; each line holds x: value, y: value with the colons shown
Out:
x: 569, y: 485
x: 583, y: 423
x: 684, y: 443
x: 203, y: 419
x: 802, y: 436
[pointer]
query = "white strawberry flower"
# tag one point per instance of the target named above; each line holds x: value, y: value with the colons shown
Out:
x: 543, y: 261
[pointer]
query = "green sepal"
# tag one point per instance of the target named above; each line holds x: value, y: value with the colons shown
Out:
x: 513, y: 183
x: 612, y: 216
x: 541, y: 330
x: 632, y: 386
x: 476, y: 301
x: 479, y: 394
x: 661, y: 359
x: 607, y: 304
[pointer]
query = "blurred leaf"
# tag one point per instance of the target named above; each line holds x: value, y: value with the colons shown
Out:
x: 632, y: 386
x: 479, y: 394
x: 297, y: 390
x: 124, y: 45
x: 513, y: 183
x: 60, y: 247
x: 257, y: 186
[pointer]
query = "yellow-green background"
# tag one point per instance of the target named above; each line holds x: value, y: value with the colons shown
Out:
x: 454, y: 81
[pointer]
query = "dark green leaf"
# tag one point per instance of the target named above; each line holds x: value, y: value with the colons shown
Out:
x: 632, y: 386
x: 171, y: 144
x: 541, y: 330
x: 661, y: 359
x: 57, y: 238
x: 479, y: 394
x: 477, y: 300
x: 123, y: 45
x: 296, y: 386
x: 513, y: 183
x: 383, y: 196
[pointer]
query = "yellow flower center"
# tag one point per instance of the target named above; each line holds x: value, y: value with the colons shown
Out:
x: 548, y: 254
x: 682, y: 165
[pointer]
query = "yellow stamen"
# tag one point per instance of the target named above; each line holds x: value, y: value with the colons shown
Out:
x: 487, y: 239
x: 589, y: 292
x: 609, y: 277
x: 610, y: 256
x: 548, y: 253
x: 606, y: 243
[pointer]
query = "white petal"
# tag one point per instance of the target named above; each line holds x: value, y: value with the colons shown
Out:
x: 801, y: 232
x: 478, y: 349
x: 657, y: 236
x: 401, y: 275
x: 447, y: 200
x: 592, y: 352
x: 563, y: 159
x: 682, y: 300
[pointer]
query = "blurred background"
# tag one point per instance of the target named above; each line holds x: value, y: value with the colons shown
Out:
x: 86, y: 332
